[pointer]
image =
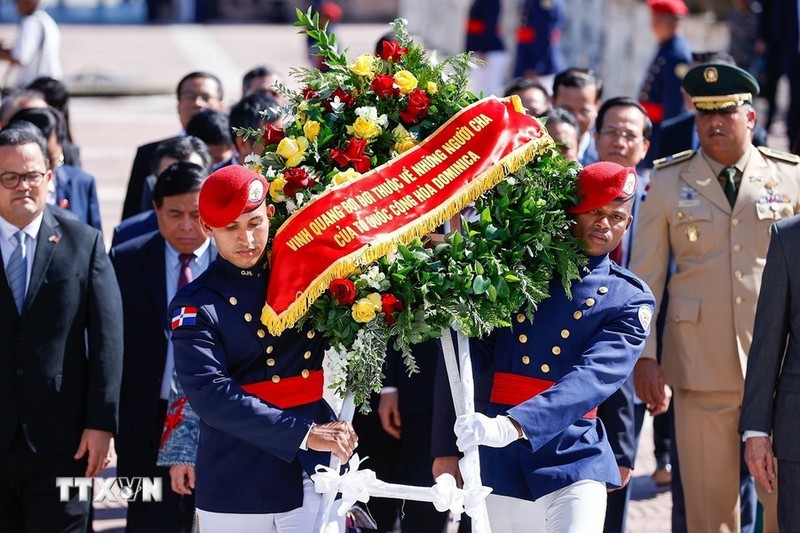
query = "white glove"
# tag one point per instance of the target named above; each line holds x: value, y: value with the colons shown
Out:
x: 477, y: 429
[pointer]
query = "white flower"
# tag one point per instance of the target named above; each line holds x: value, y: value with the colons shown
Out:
x: 291, y: 207
x: 371, y: 114
x: 270, y: 172
x: 374, y: 278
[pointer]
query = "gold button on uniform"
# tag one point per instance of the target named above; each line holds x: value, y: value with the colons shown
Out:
x: 270, y: 362
x: 270, y: 348
x: 603, y: 290
x: 307, y: 355
x: 679, y: 215
x: 523, y: 338
x: 233, y: 300
x: 261, y: 333
x: 577, y: 315
x: 556, y: 350
x: 737, y: 248
x: 545, y: 368
x: 589, y: 302
x: 248, y: 317
x: 276, y: 379
x: 564, y: 333
x: 520, y: 318
x: 735, y: 222
x: 737, y: 274
x: 738, y: 300
x: 304, y: 373
x: 310, y: 334
x: 526, y: 360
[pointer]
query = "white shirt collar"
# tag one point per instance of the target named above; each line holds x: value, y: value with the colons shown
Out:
x: 7, y: 229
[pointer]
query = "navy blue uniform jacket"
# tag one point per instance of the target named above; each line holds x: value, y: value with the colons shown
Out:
x: 249, y: 458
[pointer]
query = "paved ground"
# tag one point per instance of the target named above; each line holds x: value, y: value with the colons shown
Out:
x: 152, y: 59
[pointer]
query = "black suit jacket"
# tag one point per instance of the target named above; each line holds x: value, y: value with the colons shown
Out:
x: 676, y: 135
x: 139, y: 265
x: 139, y: 172
x: 772, y: 386
x: 61, y: 359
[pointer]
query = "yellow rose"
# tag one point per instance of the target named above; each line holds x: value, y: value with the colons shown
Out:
x: 276, y: 189
x: 311, y: 129
x: 432, y: 88
x: 347, y: 175
x: 405, y: 143
x: 363, y: 310
x: 363, y: 129
x: 375, y: 298
x: 405, y: 80
x: 362, y: 66
x: 292, y: 149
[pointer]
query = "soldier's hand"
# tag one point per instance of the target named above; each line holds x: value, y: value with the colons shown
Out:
x: 656, y: 409
x: 477, y: 429
x: 181, y: 479
x: 448, y: 465
x: 389, y: 412
x: 649, y: 381
x: 761, y: 461
x: 337, y: 437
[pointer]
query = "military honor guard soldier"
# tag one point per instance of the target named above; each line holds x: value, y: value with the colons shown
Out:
x: 710, y: 212
x: 263, y: 423
x: 543, y: 450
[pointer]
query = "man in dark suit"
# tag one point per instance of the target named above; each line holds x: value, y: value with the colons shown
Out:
x: 62, y: 359
x: 150, y: 269
x: 196, y: 91
x: 773, y: 377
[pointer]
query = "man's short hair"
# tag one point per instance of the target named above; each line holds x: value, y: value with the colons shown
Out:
x: 11, y: 102
x: 23, y: 133
x: 522, y: 83
x: 178, y: 178
x: 260, y: 71
x: 578, y: 77
x: 558, y: 115
x: 246, y: 113
x: 199, y: 74
x: 624, y: 101
x: 54, y: 91
x: 211, y: 126
x: 47, y: 119
x: 181, y: 148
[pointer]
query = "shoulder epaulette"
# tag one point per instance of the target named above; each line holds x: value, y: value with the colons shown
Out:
x: 628, y: 275
x: 776, y: 154
x: 672, y: 159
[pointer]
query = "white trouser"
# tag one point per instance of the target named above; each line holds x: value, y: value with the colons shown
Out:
x: 300, y: 520
x: 577, y: 508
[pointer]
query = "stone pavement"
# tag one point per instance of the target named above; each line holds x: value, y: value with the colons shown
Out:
x: 150, y: 60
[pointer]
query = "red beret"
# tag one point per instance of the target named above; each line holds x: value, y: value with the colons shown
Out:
x: 229, y: 192
x: 601, y: 183
x: 668, y: 7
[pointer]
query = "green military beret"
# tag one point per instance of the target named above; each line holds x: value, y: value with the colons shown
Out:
x: 718, y: 86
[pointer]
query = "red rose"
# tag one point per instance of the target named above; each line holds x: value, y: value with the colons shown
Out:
x: 353, y: 154
x: 390, y: 305
x: 272, y: 135
x: 343, y: 291
x: 391, y: 50
x: 416, y: 107
x: 383, y: 85
x: 348, y: 99
x: 296, y: 179
x: 310, y: 94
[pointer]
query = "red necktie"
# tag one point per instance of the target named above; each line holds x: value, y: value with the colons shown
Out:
x: 186, y: 272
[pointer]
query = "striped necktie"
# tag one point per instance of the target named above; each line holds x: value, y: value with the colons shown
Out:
x: 17, y: 270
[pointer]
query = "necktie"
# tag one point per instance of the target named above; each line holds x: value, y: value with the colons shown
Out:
x: 17, y: 270
x: 185, y: 275
x: 730, y: 184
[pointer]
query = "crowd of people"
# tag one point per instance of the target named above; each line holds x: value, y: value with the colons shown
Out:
x: 686, y: 311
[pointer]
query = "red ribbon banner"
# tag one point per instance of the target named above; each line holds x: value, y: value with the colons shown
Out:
x: 407, y: 197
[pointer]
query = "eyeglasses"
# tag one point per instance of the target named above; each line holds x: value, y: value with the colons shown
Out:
x: 11, y: 180
x: 627, y: 136
x: 190, y: 97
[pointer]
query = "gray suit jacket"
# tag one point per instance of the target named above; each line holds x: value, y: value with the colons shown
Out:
x: 772, y: 386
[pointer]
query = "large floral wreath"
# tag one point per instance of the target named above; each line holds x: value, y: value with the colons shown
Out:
x: 358, y: 115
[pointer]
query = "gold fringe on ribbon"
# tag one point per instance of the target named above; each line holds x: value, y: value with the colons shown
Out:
x: 380, y: 247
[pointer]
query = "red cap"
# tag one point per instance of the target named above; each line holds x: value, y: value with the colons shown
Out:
x: 601, y: 183
x: 229, y: 192
x: 668, y: 7
x: 331, y: 10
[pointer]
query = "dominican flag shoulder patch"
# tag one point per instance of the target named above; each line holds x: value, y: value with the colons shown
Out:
x: 184, y: 316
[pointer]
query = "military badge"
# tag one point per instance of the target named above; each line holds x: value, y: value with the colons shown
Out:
x: 184, y: 316
x: 703, y: 183
x: 630, y: 184
x: 256, y: 192
x: 692, y: 233
x: 688, y: 197
x: 710, y: 75
x: 645, y: 316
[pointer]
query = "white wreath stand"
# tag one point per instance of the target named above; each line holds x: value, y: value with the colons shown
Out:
x: 359, y: 485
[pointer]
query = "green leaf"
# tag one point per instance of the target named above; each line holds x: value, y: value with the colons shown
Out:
x: 480, y: 284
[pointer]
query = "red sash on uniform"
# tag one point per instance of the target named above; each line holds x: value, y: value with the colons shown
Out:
x: 513, y: 389
x: 289, y: 392
x: 476, y: 27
